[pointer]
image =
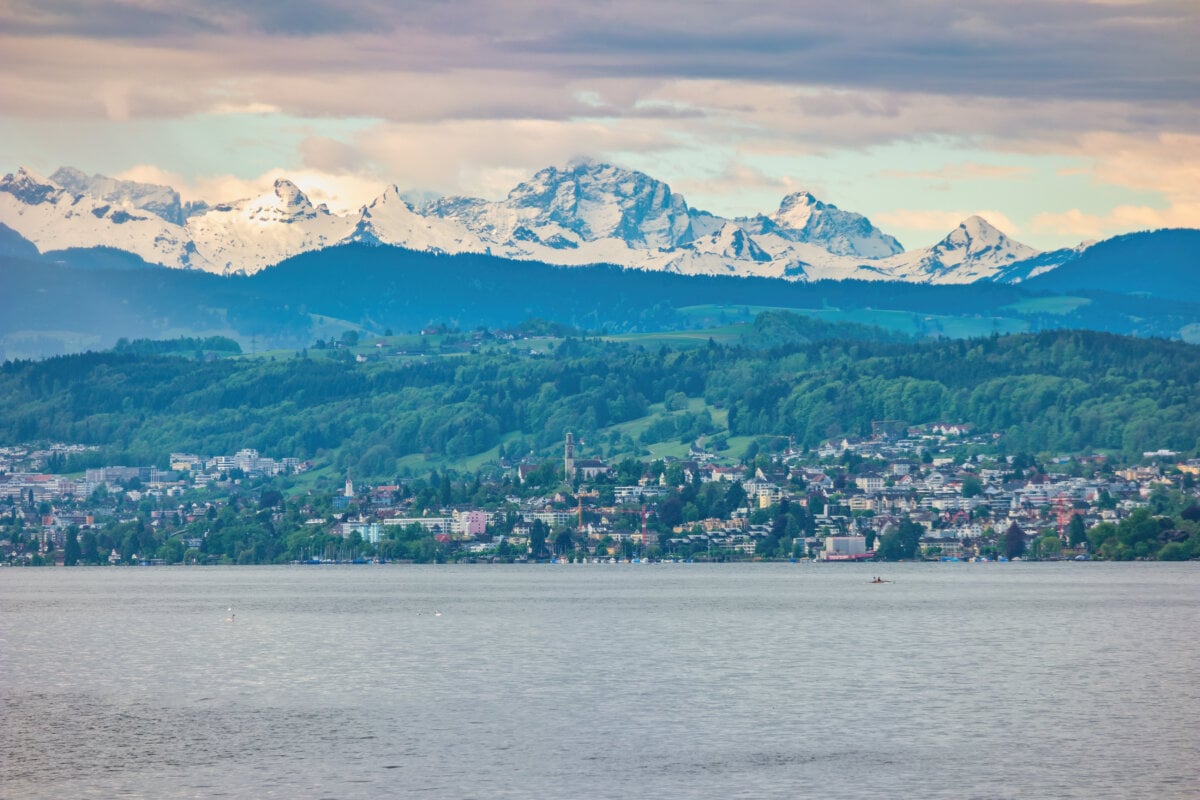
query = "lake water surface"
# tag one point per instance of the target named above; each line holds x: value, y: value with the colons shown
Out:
x: 602, y: 681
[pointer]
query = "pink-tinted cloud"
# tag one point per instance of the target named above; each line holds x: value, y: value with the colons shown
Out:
x: 1167, y: 165
x: 942, y: 221
x: 1063, y: 50
x: 966, y: 170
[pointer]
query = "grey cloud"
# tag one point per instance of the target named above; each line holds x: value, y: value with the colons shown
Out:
x: 1019, y: 49
x: 330, y: 155
x: 102, y: 19
x: 1065, y: 49
x: 1050, y: 50
x: 311, y: 17
x: 122, y: 19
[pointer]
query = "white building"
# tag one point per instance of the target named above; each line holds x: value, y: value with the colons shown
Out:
x: 845, y: 548
x: 870, y: 483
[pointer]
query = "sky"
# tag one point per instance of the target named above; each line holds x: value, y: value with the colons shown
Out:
x: 1059, y: 121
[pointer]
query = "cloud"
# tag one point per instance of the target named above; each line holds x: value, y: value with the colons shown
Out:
x: 939, y: 221
x: 325, y: 154
x: 342, y: 192
x: 963, y: 171
x: 1121, y: 219
x: 154, y: 19
x: 486, y: 158
x: 738, y: 185
x: 468, y: 157
x: 244, y: 108
x: 1139, y: 55
x: 1167, y: 165
x: 149, y: 173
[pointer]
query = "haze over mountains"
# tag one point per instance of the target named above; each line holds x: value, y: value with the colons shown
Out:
x: 581, y: 214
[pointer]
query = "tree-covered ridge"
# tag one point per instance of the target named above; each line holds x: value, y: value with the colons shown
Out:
x: 1161, y: 263
x: 65, y: 308
x: 183, y: 345
x: 1061, y: 390
x: 1052, y: 391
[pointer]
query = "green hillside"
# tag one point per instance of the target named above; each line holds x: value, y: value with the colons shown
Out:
x: 383, y: 414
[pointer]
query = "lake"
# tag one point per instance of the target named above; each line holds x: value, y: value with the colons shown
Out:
x: 1057, y: 680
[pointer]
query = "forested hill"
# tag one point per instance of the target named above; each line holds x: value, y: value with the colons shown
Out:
x: 91, y: 299
x: 1048, y: 392
x: 1160, y: 263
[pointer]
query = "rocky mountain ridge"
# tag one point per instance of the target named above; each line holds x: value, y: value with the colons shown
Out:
x: 581, y: 214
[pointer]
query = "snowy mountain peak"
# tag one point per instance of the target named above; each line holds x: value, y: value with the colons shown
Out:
x: 391, y: 219
x: 975, y: 250
x: 292, y: 201
x: 56, y: 217
x: 29, y: 187
x: 162, y: 201
x: 733, y: 242
x: 977, y: 230
x: 596, y: 201
x: 290, y: 193
x: 583, y: 212
x: 796, y: 209
x: 27, y: 175
x: 391, y: 197
x: 977, y: 236
x: 803, y: 218
x: 66, y: 176
x: 285, y: 203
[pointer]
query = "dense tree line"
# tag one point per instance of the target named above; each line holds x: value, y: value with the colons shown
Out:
x: 1051, y: 391
x: 1056, y: 390
x: 184, y: 345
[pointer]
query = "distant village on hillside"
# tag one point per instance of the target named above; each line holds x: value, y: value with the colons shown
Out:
x: 837, y: 503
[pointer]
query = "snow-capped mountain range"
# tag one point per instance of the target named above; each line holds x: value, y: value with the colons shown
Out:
x: 584, y: 213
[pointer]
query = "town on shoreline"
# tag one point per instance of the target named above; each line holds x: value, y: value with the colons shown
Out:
x: 922, y: 493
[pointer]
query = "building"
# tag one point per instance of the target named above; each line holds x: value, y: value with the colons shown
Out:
x: 1190, y: 467
x: 553, y: 519
x: 870, y: 483
x: 434, y: 525
x: 186, y: 462
x: 116, y: 474
x: 628, y: 494
x: 569, y: 457
x: 590, y: 468
x: 585, y: 468
x: 470, y: 523
x: 846, y: 548
x: 369, y: 531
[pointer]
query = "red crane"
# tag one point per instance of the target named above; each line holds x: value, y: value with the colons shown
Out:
x: 1064, y: 515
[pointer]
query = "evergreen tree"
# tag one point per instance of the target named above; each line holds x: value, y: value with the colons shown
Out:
x: 71, y: 551
x: 88, y: 548
x: 538, y: 532
x: 902, y: 543
x: 1076, y: 531
x: 1014, y: 541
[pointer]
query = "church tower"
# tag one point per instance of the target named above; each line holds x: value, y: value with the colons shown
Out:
x: 349, y: 485
x: 569, y: 458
